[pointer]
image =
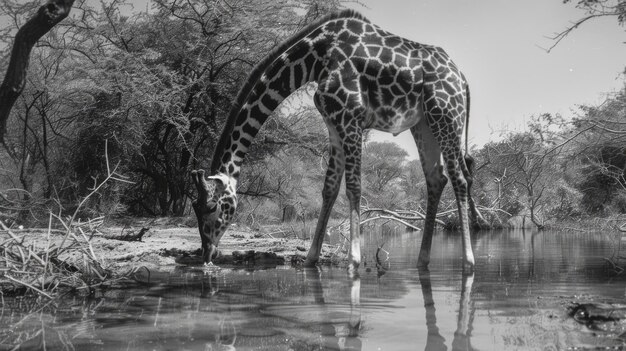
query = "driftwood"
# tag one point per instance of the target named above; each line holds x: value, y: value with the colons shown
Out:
x: 48, y: 15
x: 401, y: 216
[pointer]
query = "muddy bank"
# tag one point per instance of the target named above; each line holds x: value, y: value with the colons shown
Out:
x: 48, y: 261
x: 162, y: 247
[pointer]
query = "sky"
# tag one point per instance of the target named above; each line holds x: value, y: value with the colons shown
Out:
x: 500, y: 47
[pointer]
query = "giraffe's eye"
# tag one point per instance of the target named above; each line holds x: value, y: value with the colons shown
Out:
x: 212, y: 206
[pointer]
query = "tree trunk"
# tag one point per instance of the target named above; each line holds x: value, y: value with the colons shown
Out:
x: 48, y: 15
x: 534, y: 219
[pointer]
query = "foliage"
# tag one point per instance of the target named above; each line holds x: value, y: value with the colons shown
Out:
x: 382, y: 168
x: 601, y: 151
x: 560, y: 168
x: 156, y: 84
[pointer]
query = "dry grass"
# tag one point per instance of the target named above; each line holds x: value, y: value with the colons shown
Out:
x: 62, y: 260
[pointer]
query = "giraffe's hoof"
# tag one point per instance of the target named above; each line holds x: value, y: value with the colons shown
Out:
x: 468, y: 267
x: 354, y: 265
x: 353, y: 274
x: 423, y: 262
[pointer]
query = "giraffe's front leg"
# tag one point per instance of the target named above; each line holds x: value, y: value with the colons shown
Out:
x: 332, y: 183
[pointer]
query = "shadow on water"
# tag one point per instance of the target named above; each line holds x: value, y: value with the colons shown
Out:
x: 517, y: 299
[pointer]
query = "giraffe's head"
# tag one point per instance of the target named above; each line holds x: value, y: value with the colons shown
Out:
x: 214, y: 208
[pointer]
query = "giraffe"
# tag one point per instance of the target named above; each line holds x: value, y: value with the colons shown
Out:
x: 366, y: 78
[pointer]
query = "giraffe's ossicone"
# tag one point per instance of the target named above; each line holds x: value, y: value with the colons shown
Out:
x: 366, y: 78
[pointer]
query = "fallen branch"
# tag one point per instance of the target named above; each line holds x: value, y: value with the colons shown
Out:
x: 398, y: 215
x: 416, y: 216
x: 131, y: 236
x: 391, y: 218
x: 493, y: 209
x: 19, y: 282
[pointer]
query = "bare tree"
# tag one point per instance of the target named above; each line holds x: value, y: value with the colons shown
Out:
x: 523, y: 165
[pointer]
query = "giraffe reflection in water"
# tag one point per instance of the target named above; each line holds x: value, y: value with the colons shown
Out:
x: 435, y: 341
x: 341, y: 333
x: 314, y: 314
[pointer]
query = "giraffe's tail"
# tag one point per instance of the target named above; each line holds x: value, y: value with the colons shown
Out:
x: 477, y: 219
x: 469, y: 160
x: 467, y: 116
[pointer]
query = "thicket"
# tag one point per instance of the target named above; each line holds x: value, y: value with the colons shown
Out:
x: 156, y: 85
x: 560, y: 168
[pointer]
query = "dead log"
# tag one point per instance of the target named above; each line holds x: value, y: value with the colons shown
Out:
x: 48, y: 15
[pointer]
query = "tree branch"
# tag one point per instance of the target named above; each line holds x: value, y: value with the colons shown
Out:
x: 561, y: 35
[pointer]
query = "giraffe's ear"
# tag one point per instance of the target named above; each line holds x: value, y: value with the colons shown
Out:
x: 221, y: 182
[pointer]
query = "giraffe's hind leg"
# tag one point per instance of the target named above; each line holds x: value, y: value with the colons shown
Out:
x: 445, y: 118
x: 453, y: 160
x: 456, y: 168
x: 352, y: 138
x: 430, y: 158
x: 476, y: 219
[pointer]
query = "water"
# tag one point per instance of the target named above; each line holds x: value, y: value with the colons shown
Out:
x: 516, y: 300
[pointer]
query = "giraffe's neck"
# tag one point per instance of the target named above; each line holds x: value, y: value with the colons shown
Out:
x: 293, y: 64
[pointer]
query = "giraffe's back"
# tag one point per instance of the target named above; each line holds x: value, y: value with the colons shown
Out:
x: 386, y: 71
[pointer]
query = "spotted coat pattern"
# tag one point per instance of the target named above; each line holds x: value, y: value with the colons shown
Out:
x: 367, y: 78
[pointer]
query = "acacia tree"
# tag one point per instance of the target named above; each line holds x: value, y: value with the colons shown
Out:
x: 382, y: 169
x: 601, y: 149
x: 413, y: 184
